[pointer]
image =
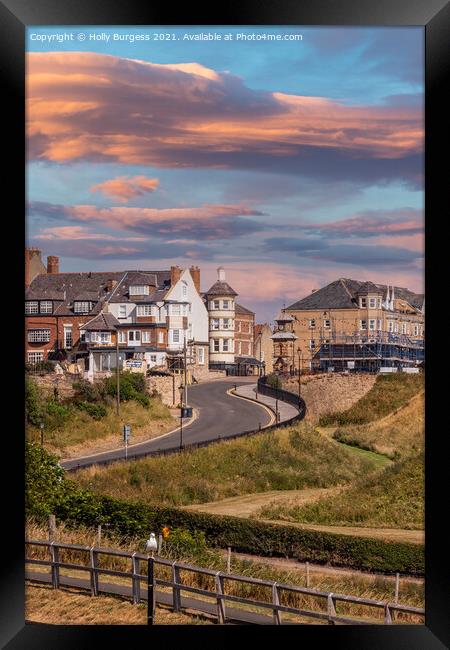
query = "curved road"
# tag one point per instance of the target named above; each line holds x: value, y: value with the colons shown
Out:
x: 219, y: 414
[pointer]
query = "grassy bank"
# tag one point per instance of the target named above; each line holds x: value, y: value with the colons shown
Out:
x: 289, y: 459
x: 392, y: 498
x: 395, y: 436
x: 389, y: 393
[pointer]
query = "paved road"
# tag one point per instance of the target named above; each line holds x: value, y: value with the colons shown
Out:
x: 219, y: 414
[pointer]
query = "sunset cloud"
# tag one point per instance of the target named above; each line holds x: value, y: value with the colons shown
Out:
x: 124, y: 188
x: 96, y: 107
x: 372, y: 223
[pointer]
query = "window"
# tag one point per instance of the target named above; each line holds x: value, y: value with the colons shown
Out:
x: 312, y: 323
x: 134, y: 335
x: 372, y: 303
x: 390, y: 326
x: 216, y: 304
x: 184, y: 290
x: 144, y: 310
x: 312, y: 344
x: 379, y: 324
x: 39, y: 336
x: 175, y: 310
x: 46, y: 306
x: 200, y: 356
x: 105, y: 337
x: 372, y: 324
x: 153, y: 358
x: 396, y: 328
x: 139, y: 290
x: 225, y: 345
x: 68, y: 337
x: 35, y: 357
x: 404, y: 328
x: 176, y: 336
x: 216, y: 345
x: 160, y: 337
x: 225, y: 304
x: 379, y: 303
x: 238, y: 326
x: 215, y: 323
x: 31, y: 307
x: 123, y: 311
x: 239, y: 347
x: 416, y: 330
x: 122, y: 336
x: 82, y: 336
x: 145, y: 337
x: 326, y: 323
x: 363, y: 302
x: 226, y: 323
x: 82, y: 306
x: 362, y: 324
x: 185, y: 310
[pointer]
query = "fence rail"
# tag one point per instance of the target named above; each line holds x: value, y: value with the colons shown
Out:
x: 263, y: 388
x: 177, y: 602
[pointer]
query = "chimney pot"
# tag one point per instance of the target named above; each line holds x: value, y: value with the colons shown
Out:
x: 52, y: 264
x: 221, y: 274
x: 175, y: 275
x: 195, y: 275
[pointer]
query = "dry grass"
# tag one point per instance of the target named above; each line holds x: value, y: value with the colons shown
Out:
x: 397, y: 434
x: 357, y: 584
x: 82, y: 435
x: 293, y: 458
x: 70, y: 606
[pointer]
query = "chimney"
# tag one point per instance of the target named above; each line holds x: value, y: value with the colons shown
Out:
x: 221, y: 274
x: 32, y: 259
x: 110, y: 284
x: 175, y: 275
x: 195, y: 275
x: 52, y: 264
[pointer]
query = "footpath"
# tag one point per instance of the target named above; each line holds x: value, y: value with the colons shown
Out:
x: 285, y: 411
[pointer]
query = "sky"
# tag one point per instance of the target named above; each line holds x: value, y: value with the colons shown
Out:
x: 291, y: 156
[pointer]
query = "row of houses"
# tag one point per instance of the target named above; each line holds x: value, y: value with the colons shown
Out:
x: 140, y: 319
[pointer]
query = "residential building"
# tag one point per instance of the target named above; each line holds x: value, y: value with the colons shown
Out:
x: 220, y: 302
x: 263, y: 346
x: 244, y: 322
x: 349, y: 324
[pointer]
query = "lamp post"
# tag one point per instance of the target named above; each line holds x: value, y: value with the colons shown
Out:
x: 181, y: 389
x: 151, y: 546
x: 42, y: 433
x: 117, y: 374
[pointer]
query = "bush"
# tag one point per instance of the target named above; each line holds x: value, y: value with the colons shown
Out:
x: 96, y: 411
x: 274, y: 381
x: 132, y: 387
x: 34, y: 407
x: 40, y: 366
x: 89, y: 392
x: 56, y: 414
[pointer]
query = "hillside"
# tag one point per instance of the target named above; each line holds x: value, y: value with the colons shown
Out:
x: 393, y: 497
x: 397, y: 435
x: 289, y: 459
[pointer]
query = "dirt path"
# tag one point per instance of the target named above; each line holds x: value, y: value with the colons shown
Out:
x: 249, y: 504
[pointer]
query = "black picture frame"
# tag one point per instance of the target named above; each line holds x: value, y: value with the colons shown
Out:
x: 15, y: 15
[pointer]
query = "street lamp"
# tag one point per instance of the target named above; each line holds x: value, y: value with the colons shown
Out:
x: 42, y: 433
x: 181, y: 389
x: 300, y: 363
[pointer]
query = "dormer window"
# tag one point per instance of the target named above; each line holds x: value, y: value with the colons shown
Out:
x: 372, y: 303
x: 363, y: 302
x: 46, y: 306
x: 82, y: 306
x: 32, y: 307
x: 139, y: 290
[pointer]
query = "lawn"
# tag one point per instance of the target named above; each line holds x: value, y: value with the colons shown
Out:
x: 389, y: 393
x: 390, y: 498
x: 289, y: 459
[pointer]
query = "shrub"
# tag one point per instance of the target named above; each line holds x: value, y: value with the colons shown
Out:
x: 40, y: 366
x: 274, y: 380
x: 89, y: 392
x: 96, y: 411
x: 34, y: 407
x: 132, y: 386
x: 56, y: 414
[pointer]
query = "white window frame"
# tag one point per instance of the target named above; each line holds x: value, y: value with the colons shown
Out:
x: 122, y: 336
x: 226, y: 345
x: 404, y: 328
x: 215, y: 304
x: 160, y: 337
x: 176, y: 337
x: 390, y: 326
x: 139, y: 290
x: 104, y: 337
x: 136, y: 336
x: 325, y: 321
x: 379, y: 303
x: 68, y: 330
x: 146, y: 337
x: 201, y: 356
x: 216, y: 345
x: 361, y: 326
x: 372, y: 324
x: 39, y: 335
x: 46, y: 307
x: 122, y: 311
x: 215, y: 323
x: 35, y: 357
x: 372, y: 303
x: 312, y: 323
x: 144, y: 310
x: 226, y: 304
x: 416, y: 330
x: 312, y: 344
x: 82, y: 306
x: 175, y: 309
x: 31, y: 307
x: 363, y: 302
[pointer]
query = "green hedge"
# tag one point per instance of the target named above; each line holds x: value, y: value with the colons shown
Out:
x: 46, y: 493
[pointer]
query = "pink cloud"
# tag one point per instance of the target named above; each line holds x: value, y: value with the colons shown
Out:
x: 373, y: 223
x: 124, y: 188
x: 79, y: 232
x: 86, y: 106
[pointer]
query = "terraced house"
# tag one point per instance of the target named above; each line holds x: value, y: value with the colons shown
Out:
x: 142, y: 318
x: 353, y: 325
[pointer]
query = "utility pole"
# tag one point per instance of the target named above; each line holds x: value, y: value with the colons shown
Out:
x: 299, y: 372
x: 185, y: 369
x: 117, y: 373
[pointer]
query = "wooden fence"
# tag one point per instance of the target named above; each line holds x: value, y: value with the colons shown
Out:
x: 224, y: 613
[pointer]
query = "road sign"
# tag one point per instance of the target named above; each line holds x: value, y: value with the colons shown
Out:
x: 186, y: 412
x: 126, y: 432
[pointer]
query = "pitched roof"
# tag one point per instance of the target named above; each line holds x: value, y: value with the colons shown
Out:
x: 103, y: 322
x: 220, y: 288
x: 283, y: 317
x: 342, y: 294
x: 243, y: 310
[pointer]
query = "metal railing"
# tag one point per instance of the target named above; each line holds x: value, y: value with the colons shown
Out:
x: 177, y: 602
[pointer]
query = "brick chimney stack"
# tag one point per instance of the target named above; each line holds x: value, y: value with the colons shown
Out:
x: 52, y: 265
x: 195, y: 274
x: 175, y: 275
x: 33, y: 264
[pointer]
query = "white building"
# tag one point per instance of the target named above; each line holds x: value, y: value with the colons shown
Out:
x: 220, y: 301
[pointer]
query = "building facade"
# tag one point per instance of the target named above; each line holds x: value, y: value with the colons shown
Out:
x: 244, y: 321
x: 221, y: 305
x: 350, y: 324
x: 263, y: 345
x: 283, y: 338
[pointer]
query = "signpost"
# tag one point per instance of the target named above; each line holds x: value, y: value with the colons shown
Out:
x: 126, y: 437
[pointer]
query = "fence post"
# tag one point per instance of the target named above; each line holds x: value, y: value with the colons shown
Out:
x: 99, y: 534
x: 331, y: 609
x: 150, y: 591
x: 229, y: 560
x: 136, y: 583
x: 221, y: 615
x: 276, y: 601
x: 54, y: 551
x: 175, y: 589
x: 397, y: 586
x: 93, y: 572
x: 160, y: 543
x: 307, y: 574
x: 51, y: 527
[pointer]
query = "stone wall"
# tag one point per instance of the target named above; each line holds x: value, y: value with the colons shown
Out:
x: 326, y: 393
x: 63, y: 383
x: 166, y: 387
